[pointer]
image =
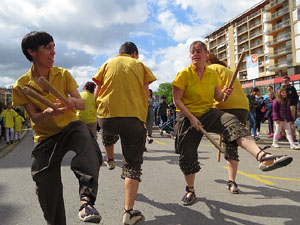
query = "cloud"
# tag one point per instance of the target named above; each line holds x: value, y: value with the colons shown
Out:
x: 86, y: 33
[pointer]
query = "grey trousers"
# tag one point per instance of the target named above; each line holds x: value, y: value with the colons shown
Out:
x: 46, y: 168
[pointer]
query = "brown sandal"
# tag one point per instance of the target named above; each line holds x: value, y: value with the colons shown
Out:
x: 278, y: 160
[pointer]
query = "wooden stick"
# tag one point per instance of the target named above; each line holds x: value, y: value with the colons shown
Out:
x: 219, y: 152
x: 35, y: 95
x: 235, y: 73
x: 43, y: 81
x: 211, y: 139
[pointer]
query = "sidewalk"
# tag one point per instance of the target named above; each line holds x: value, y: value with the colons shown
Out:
x: 4, y: 148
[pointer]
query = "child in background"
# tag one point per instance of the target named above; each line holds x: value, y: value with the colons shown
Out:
x: 19, y: 120
x: 282, y: 116
x: 297, y: 125
x: 9, y: 116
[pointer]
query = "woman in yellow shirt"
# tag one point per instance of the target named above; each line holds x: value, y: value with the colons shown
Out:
x: 194, y: 90
x: 237, y: 105
x: 88, y: 115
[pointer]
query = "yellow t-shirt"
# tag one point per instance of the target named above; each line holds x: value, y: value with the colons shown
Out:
x: 8, y: 116
x: 122, y: 92
x: 238, y: 98
x: 88, y: 115
x: 198, y: 94
x: 18, y: 123
x: 63, y: 81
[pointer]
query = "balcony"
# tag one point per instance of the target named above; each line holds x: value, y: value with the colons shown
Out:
x: 245, y: 48
x: 242, y: 39
x: 242, y: 21
x: 222, y: 56
x: 280, y: 52
x: 278, y: 27
x: 254, y: 15
x: 279, y: 40
x: 212, y: 45
x: 255, y: 34
x: 256, y: 43
x: 281, y: 65
x: 274, y: 4
x: 277, y: 14
x: 254, y: 24
x: 241, y: 31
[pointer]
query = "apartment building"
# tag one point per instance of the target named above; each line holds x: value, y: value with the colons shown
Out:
x: 269, y: 29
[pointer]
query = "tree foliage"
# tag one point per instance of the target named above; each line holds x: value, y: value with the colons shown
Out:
x: 165, y: 89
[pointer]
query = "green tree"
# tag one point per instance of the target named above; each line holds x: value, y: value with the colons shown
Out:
x: 165, y: 89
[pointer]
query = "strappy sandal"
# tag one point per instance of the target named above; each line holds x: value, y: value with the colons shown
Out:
x: 232, y: 187
x: 90, y: 213
x: 188, y: 200
x: 130, y: 218
x: 278, y: 160
x: 110, y: 164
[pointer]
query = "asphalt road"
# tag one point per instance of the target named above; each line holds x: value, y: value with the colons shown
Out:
x: 265, y: 197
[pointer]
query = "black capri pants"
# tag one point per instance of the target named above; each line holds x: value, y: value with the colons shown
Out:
x: 188, y: 139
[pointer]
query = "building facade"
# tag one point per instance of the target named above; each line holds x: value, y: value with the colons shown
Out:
x: 271, y: 30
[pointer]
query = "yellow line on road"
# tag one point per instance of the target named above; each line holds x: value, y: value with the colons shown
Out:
x: 259, y: 177
x: 161, y: 143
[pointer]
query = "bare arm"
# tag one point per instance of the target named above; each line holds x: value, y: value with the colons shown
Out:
x: 177, y: 98
x: 40, y: 117
x: 75, y: 101
x: 220, y: 95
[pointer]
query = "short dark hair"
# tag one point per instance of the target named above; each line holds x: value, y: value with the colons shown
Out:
x: 286, y: 78
x: 199, y: 43
x: 256, y: 89
x: 90, y: 86
x: 128, y: 48
x: 34, y: 40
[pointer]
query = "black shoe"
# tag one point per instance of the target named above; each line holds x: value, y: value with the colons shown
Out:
x: 11, y: 142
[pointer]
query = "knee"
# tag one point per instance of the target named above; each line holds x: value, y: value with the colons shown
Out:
x: 131, y: 172
x: 190, y: 168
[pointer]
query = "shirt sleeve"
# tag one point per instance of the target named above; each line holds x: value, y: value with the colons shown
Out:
x: 71, y: 83
x: 149, y: 76
x: 99, y: 76
x: 179, y: 81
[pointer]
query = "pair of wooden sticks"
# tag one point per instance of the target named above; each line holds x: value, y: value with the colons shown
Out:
x: 46, y: 84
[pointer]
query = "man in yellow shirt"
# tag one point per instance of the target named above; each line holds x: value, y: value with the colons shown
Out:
x: 9, y: 116
x: 57, y: 131
x: 122, y: 93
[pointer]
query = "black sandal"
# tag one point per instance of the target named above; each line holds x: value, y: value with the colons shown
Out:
x: 278, y: 160
x: 188, y: 200
x: 90, y: 213
x: 128, y: 216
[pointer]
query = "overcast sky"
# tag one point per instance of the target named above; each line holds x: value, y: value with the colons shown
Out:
x: 88, y: 32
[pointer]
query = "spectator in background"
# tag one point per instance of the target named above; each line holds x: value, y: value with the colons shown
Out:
x: 150, y: 118
x: 162, y: 110
x: 252, y: 113
x: 270, y: 90
x: 268, y: 103
x: 155, y: 106
x: 293, y: 98
x: 259, y: 114
x: 1, y: 120
x: 282, y: 116
x: 9, y: 116
x: 88, y: 115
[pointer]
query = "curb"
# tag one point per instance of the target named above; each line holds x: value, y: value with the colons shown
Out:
x: 8, y: 148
